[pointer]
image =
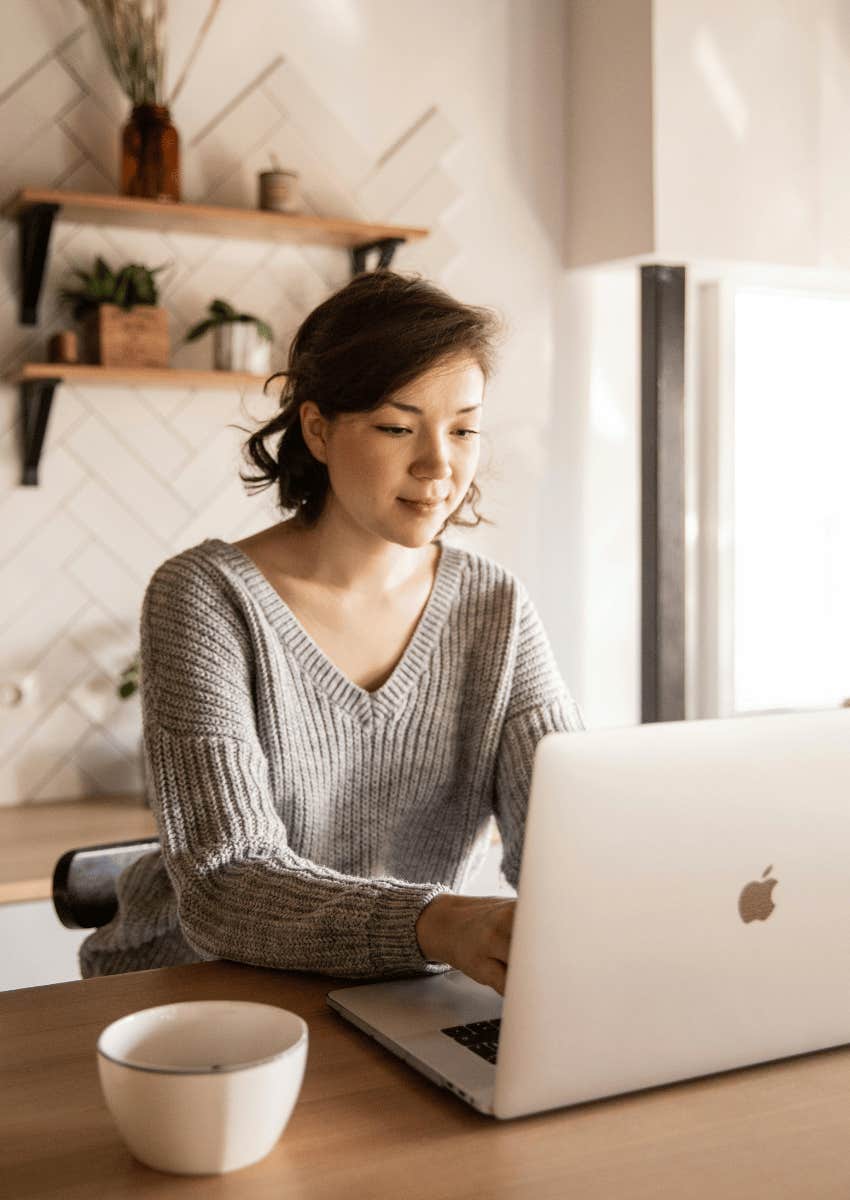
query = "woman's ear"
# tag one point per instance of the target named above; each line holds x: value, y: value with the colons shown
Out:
x: 314, y: 430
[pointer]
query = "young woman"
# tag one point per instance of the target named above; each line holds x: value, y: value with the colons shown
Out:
x: 335, y: 707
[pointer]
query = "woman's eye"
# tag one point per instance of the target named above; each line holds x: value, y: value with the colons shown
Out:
x: 395, y: 430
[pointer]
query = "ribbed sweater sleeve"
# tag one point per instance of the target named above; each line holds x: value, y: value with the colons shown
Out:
x: 540, y: 703
x: 242, y: 893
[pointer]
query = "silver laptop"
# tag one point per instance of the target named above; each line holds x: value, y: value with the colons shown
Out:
x: 683, y: 908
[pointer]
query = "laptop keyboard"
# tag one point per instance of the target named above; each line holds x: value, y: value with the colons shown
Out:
x: 482, y: 1037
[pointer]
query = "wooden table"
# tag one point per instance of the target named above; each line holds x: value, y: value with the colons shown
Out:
x: 34, y: 836
x: 367, y: 1127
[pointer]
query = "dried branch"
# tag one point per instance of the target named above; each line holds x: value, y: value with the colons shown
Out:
x: 132, y: 34
x: 202, y: 33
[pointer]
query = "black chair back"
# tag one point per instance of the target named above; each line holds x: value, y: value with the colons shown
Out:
x: 84, y: 881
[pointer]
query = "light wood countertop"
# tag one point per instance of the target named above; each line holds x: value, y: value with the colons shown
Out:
x: 34, y: 836
x: 367, y: 1125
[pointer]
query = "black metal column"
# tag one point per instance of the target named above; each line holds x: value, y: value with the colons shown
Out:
x: 662, y: 493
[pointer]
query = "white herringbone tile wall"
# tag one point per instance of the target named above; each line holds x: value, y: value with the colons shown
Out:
x: 387, y: 116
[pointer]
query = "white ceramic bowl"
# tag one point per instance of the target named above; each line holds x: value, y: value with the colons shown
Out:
x: 204, y: 1086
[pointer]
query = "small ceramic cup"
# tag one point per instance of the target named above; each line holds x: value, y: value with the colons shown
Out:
x: 205, y: 1086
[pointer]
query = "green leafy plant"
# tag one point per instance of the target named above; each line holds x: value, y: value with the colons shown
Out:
x: 130, y: 678
x: 133, y: 284
x: 222, y: 313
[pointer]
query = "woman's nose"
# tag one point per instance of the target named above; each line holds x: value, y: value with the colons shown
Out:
x: 433, y: 462
x: 435, y: 467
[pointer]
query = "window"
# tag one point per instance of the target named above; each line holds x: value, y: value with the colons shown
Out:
x: 774, y: 592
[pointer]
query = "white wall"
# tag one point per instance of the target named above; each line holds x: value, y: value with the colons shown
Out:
x: 591, y: 522
x: 448, y: 115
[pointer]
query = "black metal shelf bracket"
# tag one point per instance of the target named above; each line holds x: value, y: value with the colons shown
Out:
x: 34, y: 226
x: 36, y: 399
x: 386, y: 248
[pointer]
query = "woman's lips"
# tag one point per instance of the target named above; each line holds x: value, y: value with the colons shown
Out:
x: 422, y: 506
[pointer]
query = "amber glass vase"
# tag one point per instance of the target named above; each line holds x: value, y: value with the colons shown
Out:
x: 150, y: 154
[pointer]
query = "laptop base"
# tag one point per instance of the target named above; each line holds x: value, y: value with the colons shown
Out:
x: 405, y: 1016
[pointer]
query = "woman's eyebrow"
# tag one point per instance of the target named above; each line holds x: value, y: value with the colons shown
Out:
x: 412, y: 407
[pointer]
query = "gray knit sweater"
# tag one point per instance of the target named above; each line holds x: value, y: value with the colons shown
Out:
x: 305, y: 822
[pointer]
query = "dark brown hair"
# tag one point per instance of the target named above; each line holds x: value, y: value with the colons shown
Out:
x: 351, y: 353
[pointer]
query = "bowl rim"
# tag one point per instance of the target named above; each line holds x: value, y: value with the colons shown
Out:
x: 213, y: 1068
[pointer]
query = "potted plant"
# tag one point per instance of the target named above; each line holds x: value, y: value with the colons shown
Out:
x: 128, y: 685
x: 130, y: 678
x: 241, y: 341
x: 122, y: 324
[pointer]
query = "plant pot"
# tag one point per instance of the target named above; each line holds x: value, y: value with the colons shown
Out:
x: 132, y: 337
x: 237, y: 346
x: 278, y: 191
x: 150, y: 154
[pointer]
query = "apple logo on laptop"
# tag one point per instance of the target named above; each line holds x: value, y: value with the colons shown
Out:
x: 755, y: 902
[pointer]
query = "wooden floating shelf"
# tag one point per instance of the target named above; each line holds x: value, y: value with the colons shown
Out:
x: 38, y: 381
x: 167, y: 377
x: 94, y: 208
x: 36, y: 210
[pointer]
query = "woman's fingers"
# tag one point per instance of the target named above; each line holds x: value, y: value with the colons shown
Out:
x: 476, y: 937
x: 496, y: 975
x: 500, y: 937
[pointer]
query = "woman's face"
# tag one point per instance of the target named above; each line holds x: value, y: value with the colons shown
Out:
x: 401, y: 470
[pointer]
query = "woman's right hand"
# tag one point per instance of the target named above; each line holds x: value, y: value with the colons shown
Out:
x: 472, y: 933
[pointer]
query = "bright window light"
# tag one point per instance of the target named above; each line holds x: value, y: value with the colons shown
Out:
x: 791, y: 500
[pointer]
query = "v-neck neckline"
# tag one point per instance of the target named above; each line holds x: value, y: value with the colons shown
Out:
x: 360, y: 702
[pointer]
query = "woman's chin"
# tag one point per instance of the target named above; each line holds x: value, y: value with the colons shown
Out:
x: 415, y: 541
x: 422, y: 534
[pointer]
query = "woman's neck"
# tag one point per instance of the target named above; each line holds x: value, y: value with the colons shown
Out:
x: 338, y: 556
